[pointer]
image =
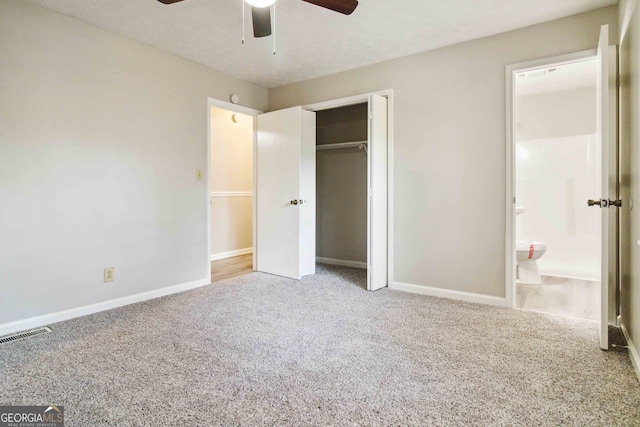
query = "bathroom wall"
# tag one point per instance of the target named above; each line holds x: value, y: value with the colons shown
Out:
x: 554, y: 179
x: 341, y: 185
x: 554, y: 114
x: 231, y: 183
x: 557, y: 170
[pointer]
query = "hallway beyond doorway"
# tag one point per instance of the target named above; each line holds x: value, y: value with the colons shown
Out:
x: 231, y: 267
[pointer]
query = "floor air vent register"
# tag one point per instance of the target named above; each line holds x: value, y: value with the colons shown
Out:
x: 26, y: 334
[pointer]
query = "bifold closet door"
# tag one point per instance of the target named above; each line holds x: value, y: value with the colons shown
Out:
x: 285, y: 193
x: 377, y: 243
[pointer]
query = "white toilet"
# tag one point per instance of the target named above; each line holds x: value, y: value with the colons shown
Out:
x: 527, y: 253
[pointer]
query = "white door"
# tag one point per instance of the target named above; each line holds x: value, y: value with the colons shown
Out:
x: 285, y: 193
x: 607, y: 134
x: 377, y: 242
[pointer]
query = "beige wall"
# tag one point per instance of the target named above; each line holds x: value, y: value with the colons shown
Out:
x: 231, y: 172
x: 449, y: 135
x: 630, y: 166
x: 100, y: 140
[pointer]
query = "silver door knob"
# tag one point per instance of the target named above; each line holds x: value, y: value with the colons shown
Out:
x: 605, y: 203
x: 301, y: 201
x: 294, y: 202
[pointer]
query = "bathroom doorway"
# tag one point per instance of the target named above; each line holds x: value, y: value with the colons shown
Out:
x: 557, y: 168
x: 557, y: 116
x: 555, y: 189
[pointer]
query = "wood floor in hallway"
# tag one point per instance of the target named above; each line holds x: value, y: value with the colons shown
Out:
x: 231, y: 267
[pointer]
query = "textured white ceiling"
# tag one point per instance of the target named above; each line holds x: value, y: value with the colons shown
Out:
x: 311, y: 41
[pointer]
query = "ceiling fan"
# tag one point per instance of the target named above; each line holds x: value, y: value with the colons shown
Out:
x: 261, y: 11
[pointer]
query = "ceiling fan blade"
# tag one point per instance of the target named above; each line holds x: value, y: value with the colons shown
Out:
x: 261, y: 21
x: 342, y: 6
x: 169, y: 1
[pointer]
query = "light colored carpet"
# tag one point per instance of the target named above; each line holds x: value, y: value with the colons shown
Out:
x: 262, y: 350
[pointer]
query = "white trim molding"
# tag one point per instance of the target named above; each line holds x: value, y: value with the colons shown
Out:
x: 47, y: 319
x: 231, y: 254
x: 633, y: 352
x: 390, y: 187
x: 450, y: 294
x: 231, y: 194
x: 343, y: 263
x: 213, y: 102
x: 362, y: 98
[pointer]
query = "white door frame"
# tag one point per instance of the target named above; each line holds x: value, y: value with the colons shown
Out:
x: 361, y: 99
x: 511, y: 73
x: 212, y: 102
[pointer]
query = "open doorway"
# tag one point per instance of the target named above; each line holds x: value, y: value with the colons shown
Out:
x: 557, y: 168
x: 354, y: 182
x: 606, y: 201
x: 231, y: 140
x: 341, y: 192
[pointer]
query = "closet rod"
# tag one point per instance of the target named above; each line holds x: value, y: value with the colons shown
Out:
x: 338, y: 145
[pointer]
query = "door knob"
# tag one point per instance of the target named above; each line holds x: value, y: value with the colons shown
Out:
x: 604, y: 203
x: 294, y: 202
x: 301, y: 201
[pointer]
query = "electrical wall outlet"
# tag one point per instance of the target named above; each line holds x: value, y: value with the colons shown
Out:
x: 109, y: 274
x: 199, y: 175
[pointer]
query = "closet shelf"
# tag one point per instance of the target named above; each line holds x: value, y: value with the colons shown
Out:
x: 355, y: 144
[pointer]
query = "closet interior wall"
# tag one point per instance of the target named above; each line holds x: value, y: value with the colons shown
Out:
x: 341, y: 186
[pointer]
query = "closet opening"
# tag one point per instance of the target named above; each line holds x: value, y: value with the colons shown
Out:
x: 322, y: 189
x: 341, y: 191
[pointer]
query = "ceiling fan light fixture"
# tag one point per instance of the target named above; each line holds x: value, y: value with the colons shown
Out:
x: 260, y: 3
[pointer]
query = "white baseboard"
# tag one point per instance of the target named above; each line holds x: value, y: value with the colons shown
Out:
x: 47, y: 319
x: 343, y: 263
x: 445, y: 293
x: 633, y: 352
x: 224, y: 255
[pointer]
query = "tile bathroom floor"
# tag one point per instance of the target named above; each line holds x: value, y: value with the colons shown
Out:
x: 559, y: 295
